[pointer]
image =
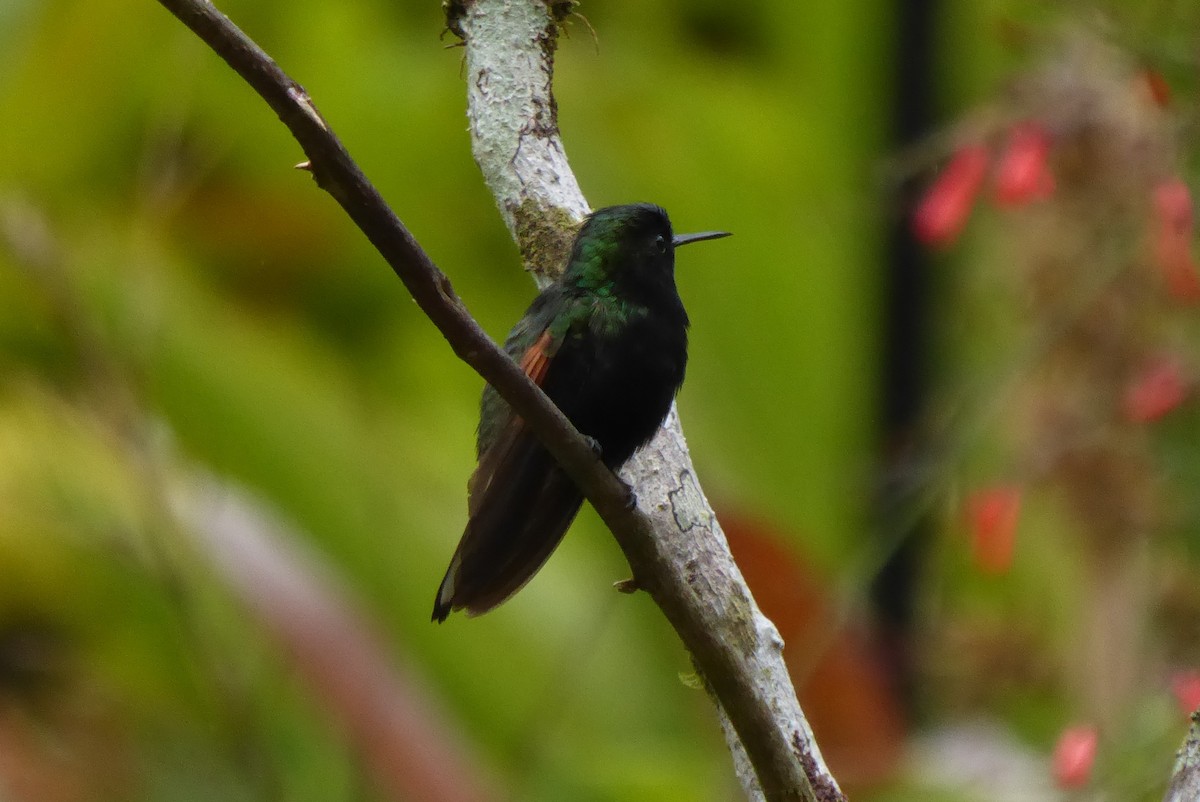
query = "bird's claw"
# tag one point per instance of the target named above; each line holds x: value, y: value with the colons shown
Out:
x: 631, y: 499
x: 594, y: 444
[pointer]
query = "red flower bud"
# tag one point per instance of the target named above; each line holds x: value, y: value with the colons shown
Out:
x: 1185, y: 685
x: 1156, y: 390
x: 1173, y: 206
x: 943, y: 211
x: 1172, y: 244
x: 1074, y: 755
x: 992, y: 516
x: 1023, y: 172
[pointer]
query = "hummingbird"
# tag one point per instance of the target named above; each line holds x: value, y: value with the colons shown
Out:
x: 607, y: 342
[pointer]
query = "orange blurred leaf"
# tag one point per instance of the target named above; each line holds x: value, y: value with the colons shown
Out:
x: 1157, y: 87
x: 842, y: 683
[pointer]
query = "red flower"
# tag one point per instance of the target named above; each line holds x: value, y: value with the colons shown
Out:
x: 1023, y: 172
x: 943, y: 211
x: 1155, y: 391
x: 1185, y: 685
x: 1074, y: 755
x: 1173, y: 227
x: 1173, y: 206
x: 992, y: 515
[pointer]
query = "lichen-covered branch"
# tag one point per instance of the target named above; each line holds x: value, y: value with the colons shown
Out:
x: 1185, y: 779
x: 685, y: 563
x: 514, y: 126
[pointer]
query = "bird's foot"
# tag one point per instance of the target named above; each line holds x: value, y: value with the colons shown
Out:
x: 631, y: 499
x: 594, y: 444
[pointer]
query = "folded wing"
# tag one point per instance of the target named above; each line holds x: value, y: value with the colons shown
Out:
x: 520, y: 504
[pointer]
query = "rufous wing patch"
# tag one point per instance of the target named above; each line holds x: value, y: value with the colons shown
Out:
x: 536, y: 360
x: 534, y: 364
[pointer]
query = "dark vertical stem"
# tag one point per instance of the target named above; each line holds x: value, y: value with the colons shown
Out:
x: 905, y: 349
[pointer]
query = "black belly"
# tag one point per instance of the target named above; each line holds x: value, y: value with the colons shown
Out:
x: 617, y: 390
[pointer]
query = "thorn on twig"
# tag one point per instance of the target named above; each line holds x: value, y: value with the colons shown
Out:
x: 627, y: 586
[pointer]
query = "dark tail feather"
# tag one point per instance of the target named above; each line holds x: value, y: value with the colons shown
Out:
x: 513, y: 529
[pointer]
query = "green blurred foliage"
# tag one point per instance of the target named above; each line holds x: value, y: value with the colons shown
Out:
x: 199, y: 297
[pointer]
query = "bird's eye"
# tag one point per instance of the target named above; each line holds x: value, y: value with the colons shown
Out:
x: 661, y: 243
